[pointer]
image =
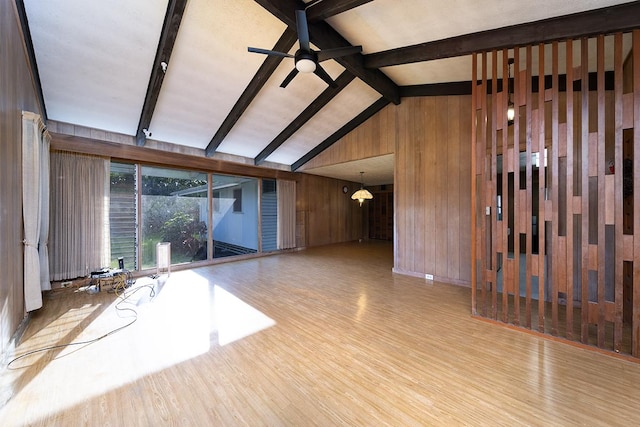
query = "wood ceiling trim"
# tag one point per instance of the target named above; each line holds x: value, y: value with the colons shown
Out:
x: 31, y: 55
x: 323, y: 99
x: 354, y: 123
x: 284, y: 44
x: 172, y: 20
x: 606, y: 20
x: 325, y: 37
x: 464, y: 87
x: 328, y: 8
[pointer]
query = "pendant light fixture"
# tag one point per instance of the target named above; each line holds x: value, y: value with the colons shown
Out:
x: 362, y: 194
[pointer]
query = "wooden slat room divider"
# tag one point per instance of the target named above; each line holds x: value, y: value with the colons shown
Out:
x: 554, y: 197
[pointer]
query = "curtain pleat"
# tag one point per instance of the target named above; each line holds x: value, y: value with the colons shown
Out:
x: 79, y: 209
x: 286, y: 191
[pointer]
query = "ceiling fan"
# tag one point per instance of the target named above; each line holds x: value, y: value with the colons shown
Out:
x: 306, y: 59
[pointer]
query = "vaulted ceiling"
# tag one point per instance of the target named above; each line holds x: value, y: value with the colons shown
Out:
x: 179, y: 72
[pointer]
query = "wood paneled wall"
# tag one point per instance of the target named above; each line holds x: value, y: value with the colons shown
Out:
x: 432, y: 191
x: 375, y: 137
x: 325, y: 214
x: 17, y: 93
x: 556, y: 211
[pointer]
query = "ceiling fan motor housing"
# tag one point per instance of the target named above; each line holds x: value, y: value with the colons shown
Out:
x: 306, y: 61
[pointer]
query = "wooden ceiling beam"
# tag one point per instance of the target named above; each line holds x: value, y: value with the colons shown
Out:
x: 323, y: 99
x: 353, y: 123
x: 622, y: 17
x: 325, y: 37
x: 328, y: 8
x: 170, y: 27
x: 284, y: 44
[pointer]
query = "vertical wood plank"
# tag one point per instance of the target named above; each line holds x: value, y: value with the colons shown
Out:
x: 584, y: 188
x: 541, y: 188
x: 569, y: 191
x: 517, y: 206
x: 553, y: 259
x: 506, y: 281
x: 529, y: 184
x: 635, y: 336
x: 452, y: 192
x: 483, y: 198
x: 601, y: 162
x: 618, y: 200
x: 494, y: 181
x: 474, y: 210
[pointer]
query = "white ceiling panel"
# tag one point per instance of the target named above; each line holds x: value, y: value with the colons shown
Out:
x: 350, y: 102
x: 95, y: 58
x: 210, y: 68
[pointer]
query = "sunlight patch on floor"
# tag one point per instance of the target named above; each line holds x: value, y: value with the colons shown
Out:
x: 236, y: 319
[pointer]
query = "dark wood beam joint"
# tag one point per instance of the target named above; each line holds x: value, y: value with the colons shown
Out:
x: 170, y: 27
x: 323, y: 99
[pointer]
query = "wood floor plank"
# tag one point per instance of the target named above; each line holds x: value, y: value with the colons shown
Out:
x: 352, y: 344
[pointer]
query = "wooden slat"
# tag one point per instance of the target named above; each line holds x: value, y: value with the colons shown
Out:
x: 635, y: 327
x: 584, y: 189
x: 529, y: 182
x: 562, y: 140
x: 627, y: 110
x: 601, y: 169
x: 483, y: 143
x: 618, y: 200
x: 474, y: 210
x: 507, y: 166
x: 556, y: 258
x: 609, y: 199
x: 541, y: 191
x: 495, y: 106
x: 627, y: 247
x: 569, y: 194
x: 517, y: 204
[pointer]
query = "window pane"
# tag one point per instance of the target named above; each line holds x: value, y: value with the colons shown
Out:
x: 235, y: 232
x: 122, y: 215
x: 269, y: 215
x: 174, y: 210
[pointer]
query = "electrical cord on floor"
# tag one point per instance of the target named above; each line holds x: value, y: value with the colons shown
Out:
x: 124, y: 296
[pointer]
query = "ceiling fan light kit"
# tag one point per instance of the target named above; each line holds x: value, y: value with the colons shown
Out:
x: 306, y: 59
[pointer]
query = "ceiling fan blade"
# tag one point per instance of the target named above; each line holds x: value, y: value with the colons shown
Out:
x: 320, y: 72
x: 303, y: 30
x: 269, y: 52
x: 323, y: 55
x: 289, y: 77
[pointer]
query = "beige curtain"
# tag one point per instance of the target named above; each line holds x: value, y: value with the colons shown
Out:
x: 286, y: 191
x: 79, y: 228
x: 32, y: 130
x: 43, y: 241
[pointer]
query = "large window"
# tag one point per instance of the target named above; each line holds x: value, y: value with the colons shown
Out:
x: 175, y: 210
x: 150, y: 205
x: 235, y: 222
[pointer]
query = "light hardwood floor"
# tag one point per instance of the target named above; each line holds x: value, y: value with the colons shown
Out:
x: 339, y: 340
